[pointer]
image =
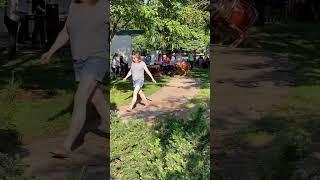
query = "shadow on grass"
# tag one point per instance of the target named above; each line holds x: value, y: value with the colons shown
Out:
x: 57, y: 75
x: 11, y: 140
x: 127, y: 86
x: 270, y: 148
x: 202, y: 75
x: 300, y: 43
x: 174, y: 148
x: 276, y: 147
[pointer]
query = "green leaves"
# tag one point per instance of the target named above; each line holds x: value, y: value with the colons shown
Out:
x: 174, y: 149
x: 172, y: 23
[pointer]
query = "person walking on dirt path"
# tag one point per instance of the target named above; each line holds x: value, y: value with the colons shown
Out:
x: 11, y: 20
x: 86, y: 28
x: 138, y: 67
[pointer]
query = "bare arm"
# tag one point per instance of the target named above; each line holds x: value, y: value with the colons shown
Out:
x: 149, y: 73
x: 61, y: 40
x: 41, y: 9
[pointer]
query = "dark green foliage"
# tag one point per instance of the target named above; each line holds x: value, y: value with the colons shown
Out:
x: 174, y: 149
x: 11, y: 168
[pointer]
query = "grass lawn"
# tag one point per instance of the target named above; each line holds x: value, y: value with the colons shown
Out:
x: 175, y: 148
x: 202, y: 99
x: 121, y: 92
x: 295, y: 125
x: 43, y: 96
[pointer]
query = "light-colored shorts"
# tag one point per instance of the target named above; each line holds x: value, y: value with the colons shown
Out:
x: 138, y: 83
x: 94, y: 67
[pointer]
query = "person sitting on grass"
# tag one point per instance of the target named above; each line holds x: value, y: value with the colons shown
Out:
x: 137, y: 71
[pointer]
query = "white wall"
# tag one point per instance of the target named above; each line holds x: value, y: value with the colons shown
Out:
x: 121, y: 44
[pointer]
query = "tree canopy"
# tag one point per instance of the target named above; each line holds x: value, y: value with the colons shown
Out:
x: 169, y: 24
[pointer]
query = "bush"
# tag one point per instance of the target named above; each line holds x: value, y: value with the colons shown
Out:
x: 10, y: 138
x: 11, y: 168
x: 174, y: 149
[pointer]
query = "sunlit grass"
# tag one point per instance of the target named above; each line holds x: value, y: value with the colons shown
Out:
x: 121, y: 92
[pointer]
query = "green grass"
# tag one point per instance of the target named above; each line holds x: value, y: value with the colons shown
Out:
x: 203, y: 97
x: 294, y: 124
x: 174, y: 148
x: 38, y: 114
x: 121, y: 92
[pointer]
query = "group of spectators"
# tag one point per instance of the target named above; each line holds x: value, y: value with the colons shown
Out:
x: 16, y: 21
x: 166, y: 61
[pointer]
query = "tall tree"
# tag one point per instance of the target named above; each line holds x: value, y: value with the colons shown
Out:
x: 125, y: 14
x: 176, y: 24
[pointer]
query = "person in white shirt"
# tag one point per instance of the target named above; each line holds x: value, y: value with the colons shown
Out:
x: 11, y: 20
x: 115, y: 65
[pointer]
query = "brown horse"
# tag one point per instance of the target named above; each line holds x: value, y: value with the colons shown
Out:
x: 182, y: 67
x: 238, y: 15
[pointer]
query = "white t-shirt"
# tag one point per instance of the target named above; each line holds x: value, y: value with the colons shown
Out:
x: 137, y: 70
x: 116, y: 62
x: 11, y: 10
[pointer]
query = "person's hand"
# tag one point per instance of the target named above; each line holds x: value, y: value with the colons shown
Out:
x: 45, y: 58
x: 124, y: 79
x: 154, y: 81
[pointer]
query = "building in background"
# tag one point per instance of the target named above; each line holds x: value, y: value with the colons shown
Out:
x: 122, y: 44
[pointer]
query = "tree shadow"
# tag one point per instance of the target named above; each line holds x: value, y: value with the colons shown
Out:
x: 57, y: 75
x: 92, y: 124
x: 193, y: 128
x: 293, y: 62
x: 127, y: 86
x: 299, y: 42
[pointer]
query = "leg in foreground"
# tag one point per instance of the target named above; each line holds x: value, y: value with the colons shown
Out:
x: 134, y: 98
x: 143, y: 97
x: 98, y: 100
x: 84, y: 91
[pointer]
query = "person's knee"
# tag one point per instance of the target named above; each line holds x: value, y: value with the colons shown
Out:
x: 86, y: 86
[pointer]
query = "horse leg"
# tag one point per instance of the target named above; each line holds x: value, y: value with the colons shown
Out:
x: 242, y: 34
x: 242, y: 37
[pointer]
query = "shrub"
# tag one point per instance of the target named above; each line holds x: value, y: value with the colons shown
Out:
x: 174, y: 149
x: 10, y: 138
x: 11, y: 168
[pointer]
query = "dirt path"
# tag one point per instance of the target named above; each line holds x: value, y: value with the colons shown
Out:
x: 90, y: 155
x: 167, y: 100
x: 248, y: 85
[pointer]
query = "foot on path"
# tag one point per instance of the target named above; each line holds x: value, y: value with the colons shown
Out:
x: 165, y: 101
x: 91, y: 153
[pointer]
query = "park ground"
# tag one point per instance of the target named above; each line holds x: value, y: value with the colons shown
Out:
x: 269, y: 129
x: 36, y: 105
x: 276, y: 144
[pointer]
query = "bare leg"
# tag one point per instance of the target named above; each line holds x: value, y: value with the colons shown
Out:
x: 84, y: 91
x: 134, y: 98
x: 98, y: 100
x: 143, y: 97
